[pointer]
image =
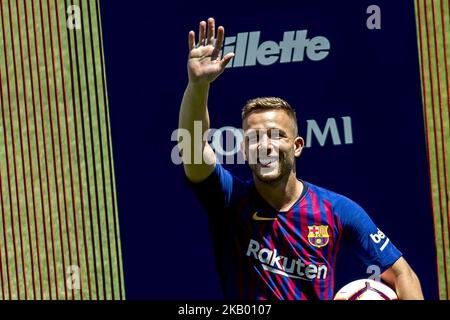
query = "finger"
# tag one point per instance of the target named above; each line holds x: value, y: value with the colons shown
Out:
x: 201, y: 33
x: 220, y: 36
x: 211, y: 29
x: 226, y: 60
x: 191, y: 40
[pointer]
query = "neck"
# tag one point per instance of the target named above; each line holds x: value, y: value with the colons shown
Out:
x: 282, y: 194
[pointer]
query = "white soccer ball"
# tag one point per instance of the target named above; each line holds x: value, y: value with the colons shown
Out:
x: 366, y: 289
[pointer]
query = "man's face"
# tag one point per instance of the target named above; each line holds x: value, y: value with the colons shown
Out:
x: 271, y: 144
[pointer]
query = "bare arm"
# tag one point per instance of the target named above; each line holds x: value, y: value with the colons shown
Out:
x: 402, y: 278
x: 204, y: 66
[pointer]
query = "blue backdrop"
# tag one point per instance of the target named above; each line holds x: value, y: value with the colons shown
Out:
x: 370, y: 77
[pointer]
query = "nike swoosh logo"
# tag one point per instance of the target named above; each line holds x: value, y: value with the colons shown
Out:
x: 258, y: 218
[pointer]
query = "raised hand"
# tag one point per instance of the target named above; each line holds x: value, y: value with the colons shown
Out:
x: 205, y: 63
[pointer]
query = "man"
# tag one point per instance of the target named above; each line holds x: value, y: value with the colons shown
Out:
x: 275, y: 237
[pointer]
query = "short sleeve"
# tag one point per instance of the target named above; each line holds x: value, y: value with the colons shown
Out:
x: 216, y: 190
x: 370, y: 243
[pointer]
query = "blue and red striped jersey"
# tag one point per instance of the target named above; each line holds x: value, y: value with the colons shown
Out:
x: 263, y: 254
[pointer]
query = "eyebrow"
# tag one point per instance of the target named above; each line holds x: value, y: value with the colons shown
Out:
x: 280, y: 130
x: 266, y: 129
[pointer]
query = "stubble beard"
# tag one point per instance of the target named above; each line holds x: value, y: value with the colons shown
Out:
x: 284, y: 169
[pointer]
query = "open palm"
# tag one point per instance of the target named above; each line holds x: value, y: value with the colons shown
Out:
x: 205, y: 63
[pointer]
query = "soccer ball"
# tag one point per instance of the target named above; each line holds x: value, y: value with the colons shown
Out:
x: 365, y: 289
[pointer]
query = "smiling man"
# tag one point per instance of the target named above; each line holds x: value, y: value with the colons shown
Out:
x: 276, y: 236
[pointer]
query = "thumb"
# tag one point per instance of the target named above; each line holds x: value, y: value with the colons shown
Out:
x: 226, y: 59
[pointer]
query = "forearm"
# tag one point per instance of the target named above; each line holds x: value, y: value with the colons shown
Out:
x: 401, y: 277
x: 194, y: 113
x: 198, y: 157
x: 194, y: 107
x: 407, y: 286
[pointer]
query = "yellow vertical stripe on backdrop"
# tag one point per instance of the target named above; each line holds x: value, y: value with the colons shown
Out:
x: 433, y: 31
x: 57, y: 195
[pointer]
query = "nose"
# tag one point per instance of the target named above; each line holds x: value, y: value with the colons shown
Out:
x: 264, y: 144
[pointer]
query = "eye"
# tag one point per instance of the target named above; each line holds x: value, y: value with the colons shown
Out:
x: 251, y: 137
x: 274, y: 134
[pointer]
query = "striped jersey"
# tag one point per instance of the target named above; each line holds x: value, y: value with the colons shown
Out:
x: 264, y: 254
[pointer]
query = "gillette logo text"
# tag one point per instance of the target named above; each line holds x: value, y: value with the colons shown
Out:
x: 295, y: 47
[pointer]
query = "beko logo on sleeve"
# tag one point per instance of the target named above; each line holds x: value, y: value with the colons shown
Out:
x: 294, y: 47
x: 378, y: 237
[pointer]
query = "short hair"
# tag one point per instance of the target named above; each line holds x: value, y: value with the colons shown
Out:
x: 269, y: 103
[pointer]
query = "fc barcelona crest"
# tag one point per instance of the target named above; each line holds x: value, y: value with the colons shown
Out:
x: 318, y: 236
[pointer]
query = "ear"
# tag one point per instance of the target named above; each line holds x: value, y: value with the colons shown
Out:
x: 299, y: 143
